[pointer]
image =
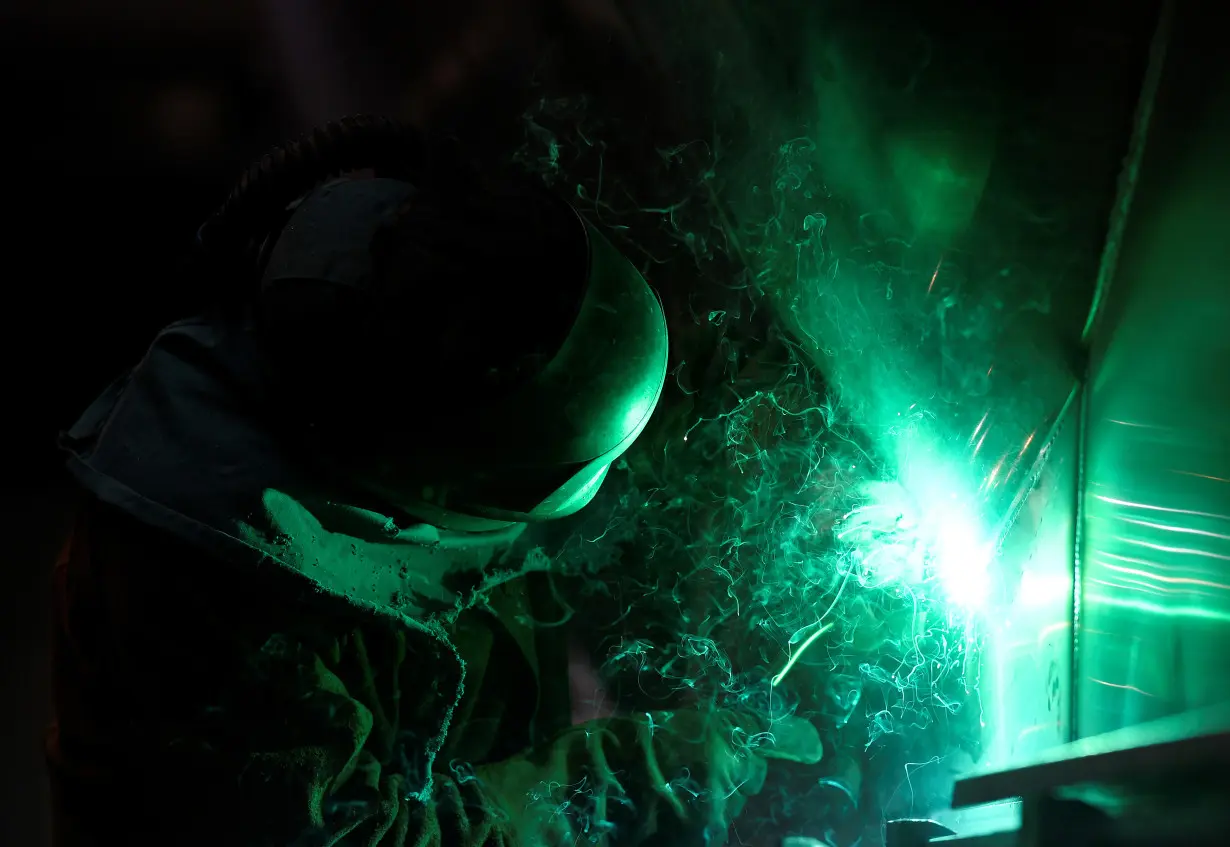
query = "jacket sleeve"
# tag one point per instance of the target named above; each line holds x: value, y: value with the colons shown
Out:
x: 659, y: 779
x: 194, y: 705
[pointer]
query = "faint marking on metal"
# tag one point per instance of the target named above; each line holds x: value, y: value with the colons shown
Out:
x: 1131, y: 166
x: 1191, y: 740
x: 1053, y: 688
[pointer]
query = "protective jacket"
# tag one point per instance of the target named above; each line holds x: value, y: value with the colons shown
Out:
x: 247, y: 655
x: 244, y: 656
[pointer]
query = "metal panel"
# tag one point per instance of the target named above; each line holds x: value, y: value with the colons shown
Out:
x: 1027, y: 648
x: 1193, y: 741
x: 1155, y: 560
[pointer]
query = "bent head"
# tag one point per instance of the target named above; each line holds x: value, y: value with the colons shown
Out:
x: 473, y: 358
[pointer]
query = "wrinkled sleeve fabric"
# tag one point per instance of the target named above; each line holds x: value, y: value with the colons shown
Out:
x: 200, y: 704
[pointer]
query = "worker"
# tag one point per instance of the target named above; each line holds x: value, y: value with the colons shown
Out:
x: 288, y: 613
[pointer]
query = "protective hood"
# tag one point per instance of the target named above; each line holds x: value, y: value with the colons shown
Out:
x: 581, y: 330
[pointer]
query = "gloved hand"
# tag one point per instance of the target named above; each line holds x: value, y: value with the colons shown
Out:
x: 667, y: 778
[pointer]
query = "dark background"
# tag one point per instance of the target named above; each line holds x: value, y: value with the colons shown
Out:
x: 125, y: 121
x: 119, y: 121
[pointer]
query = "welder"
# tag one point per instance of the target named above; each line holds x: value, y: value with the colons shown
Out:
x: 288, y: 613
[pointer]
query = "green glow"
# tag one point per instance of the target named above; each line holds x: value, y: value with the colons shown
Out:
x: 923, y: 530
x: 854, y: 414
x: 1045, y: 590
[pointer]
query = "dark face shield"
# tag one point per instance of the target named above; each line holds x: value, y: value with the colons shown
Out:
x: 502, y: 388
x: 542, y: 450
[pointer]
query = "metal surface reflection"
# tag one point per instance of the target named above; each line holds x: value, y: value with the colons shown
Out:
x: 1028, y: 646
x: 1156, y: 549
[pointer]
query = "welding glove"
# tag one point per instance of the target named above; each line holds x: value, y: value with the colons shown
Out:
x: 667, y: 778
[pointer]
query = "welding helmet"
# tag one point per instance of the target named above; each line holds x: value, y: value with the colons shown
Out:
x: 468, y: 350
